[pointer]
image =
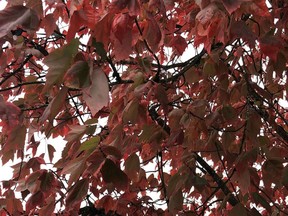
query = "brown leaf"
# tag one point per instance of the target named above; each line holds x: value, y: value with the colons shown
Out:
x: 111, y: 173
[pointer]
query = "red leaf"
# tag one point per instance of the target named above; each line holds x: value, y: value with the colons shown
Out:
x: 36, y: 199
x: 239, y: 29
x: 179, y: 44
x: 51, y: 151
x: 270, y: 46
x: 76, y: 22
x: 121, y: 36
x: 77, y: 193
x: 103, y: 28
x: 152, y: 33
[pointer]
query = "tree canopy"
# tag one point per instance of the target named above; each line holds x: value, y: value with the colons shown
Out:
x: 166, y: 107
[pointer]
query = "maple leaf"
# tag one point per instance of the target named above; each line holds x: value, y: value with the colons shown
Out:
x: 15, y: 16
x: 154, y: 102
x: 59, y: 62
x: 96, y: 95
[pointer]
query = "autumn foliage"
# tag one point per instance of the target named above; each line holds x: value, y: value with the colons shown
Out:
x: 165, y: 106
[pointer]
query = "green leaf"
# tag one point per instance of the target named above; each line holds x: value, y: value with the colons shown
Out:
x: 209, y: 68
x: 90, y: 144
x: 112, y: 174
x: 77, y: 193
x: 59, y: 61
x: 100, y: 50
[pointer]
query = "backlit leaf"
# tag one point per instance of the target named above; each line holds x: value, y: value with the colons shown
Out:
x: 96, y: 95
x: 59, y: 62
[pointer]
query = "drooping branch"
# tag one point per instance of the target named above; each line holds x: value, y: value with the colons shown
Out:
x: 221, y: 184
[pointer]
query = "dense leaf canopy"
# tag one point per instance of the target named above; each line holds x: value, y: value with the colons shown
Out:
x: 166, y: 107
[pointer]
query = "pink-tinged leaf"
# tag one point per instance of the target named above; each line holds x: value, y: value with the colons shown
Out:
x: 176, y: 202
x: 121, y: 35
x: 205, y: 15
x: 233, y: 5
x: 152, y: 33
x: 111, y: 173
x: 96, y: 95
x: 103, y: 28
x: 76, y: 23
x: 9, y: 114
x: 133, y: 7
x: 36, y: 199
x: 74, y: 168
x: 16, y: 139
x: 16, y: 16
x: 54, y: 107
x: 59, y: 62
x: 75, y: 133
x: 77, y: 76
x: 51, y: 151
x: 77, y: 193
